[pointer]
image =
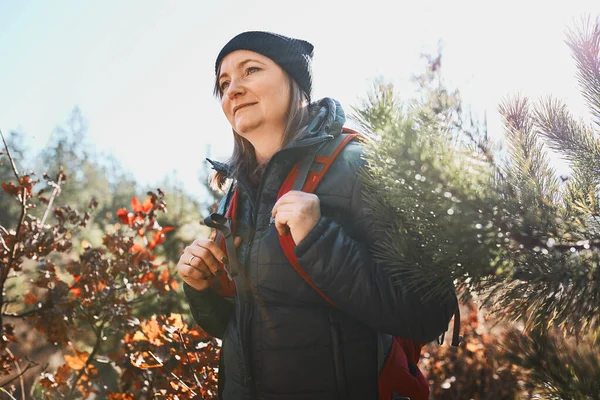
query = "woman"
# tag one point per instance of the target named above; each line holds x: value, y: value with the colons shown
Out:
x: 281, y: 340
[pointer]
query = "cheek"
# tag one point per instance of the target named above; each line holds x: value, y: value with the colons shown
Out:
x: 282, y: 101
x: 225, y: 107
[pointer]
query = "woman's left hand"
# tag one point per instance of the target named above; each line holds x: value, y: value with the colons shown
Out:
x: 296, y: 213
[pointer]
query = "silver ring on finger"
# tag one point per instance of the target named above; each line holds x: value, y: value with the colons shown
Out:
x: 190, y: 260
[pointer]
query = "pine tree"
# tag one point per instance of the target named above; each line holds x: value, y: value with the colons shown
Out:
x: 497, y: 223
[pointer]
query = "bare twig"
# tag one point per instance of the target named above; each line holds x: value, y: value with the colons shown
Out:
x: 12, y: 162
x: 173, y: 375
x: 4, y: 244
x: 20, y: 376
x: 188, y: 357
x: 24, y: 314
x: 13, y: 252
x: 52, y: 197
x: 7, y: 393
x: 99, y: 333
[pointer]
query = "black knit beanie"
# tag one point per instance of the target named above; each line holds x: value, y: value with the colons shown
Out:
x: 293, y: 55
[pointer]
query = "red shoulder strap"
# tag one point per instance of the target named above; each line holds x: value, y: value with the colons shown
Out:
x: 325, y: 156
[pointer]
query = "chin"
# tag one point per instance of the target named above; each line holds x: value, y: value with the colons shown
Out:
x: 245, y: 129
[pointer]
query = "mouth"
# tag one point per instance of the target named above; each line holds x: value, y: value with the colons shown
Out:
x: 237, y: 108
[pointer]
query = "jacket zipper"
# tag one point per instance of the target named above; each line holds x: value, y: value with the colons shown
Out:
x: 247, y: 317
x: 338, y: 357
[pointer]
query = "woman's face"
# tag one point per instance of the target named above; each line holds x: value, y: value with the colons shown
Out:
x: 255, y: 94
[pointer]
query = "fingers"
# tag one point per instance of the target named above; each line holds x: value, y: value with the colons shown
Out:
x: 203, y: 255
x: 299, y: 201
x: 200, y: 260
x: 190, y: 275
x: 282, y: 219
x: 290, y: 197
x: 194, y: 273
x: 210, y: 246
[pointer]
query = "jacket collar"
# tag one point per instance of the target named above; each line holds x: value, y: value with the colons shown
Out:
x: 326, y: 120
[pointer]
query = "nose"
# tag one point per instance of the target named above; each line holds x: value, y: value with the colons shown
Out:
x: 235, y: 89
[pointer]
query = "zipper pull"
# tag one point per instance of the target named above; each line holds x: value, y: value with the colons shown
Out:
x: 227, y: 272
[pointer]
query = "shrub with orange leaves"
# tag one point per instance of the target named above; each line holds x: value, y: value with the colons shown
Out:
x: 477, y: 369
x: 166, y: 347
x: 89, y: 305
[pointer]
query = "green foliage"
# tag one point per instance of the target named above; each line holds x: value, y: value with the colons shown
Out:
x: 497, y: 224
x: 416, y: 172
x: 504, y: 229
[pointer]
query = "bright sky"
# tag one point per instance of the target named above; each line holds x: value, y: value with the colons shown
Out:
x: 142, y: 71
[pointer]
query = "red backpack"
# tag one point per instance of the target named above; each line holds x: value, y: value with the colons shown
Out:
x: 398, y: 358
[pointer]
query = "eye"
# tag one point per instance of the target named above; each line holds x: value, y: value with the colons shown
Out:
x: 252, y: 70
x: 224, y: 85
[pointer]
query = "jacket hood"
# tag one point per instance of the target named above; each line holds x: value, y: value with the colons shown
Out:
x: 326, y: 119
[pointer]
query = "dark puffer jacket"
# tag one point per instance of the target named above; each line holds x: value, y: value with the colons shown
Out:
x: 281, y: 340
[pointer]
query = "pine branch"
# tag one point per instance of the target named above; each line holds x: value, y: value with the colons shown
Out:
x: 529, y: 168
x: 567, y: 136
x: 584, y: 42
x: 450, y: 217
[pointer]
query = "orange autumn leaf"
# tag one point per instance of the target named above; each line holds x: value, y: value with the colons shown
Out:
x: 164, y: 276
x: 30, y: 298
x: 147, y: 205
x: 27, y: 183
x: 139, y: 336
x: 62, y: 374
x: 77, y: 361
x: 75, y: 291
x: 141, y: 253
x: 124, y: 216
x: 11, y: 189
x: 120, y: 396
x: 147, y: 277
x: 137, y: 248
x: 176, y: 321
x: 167, y: 229
x: 135, y: 205
x: 151, y: 329
x: 158, y: 237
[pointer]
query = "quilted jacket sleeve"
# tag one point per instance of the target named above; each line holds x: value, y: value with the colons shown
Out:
x: 210, y: 311
x: 344, y: 269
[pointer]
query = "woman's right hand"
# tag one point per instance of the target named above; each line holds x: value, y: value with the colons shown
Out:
x: 200, y: 261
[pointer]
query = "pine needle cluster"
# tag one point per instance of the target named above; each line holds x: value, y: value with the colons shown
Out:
x: 502, y: 223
